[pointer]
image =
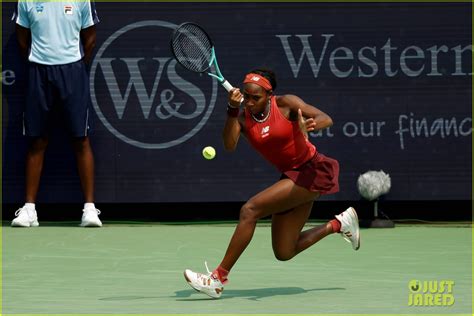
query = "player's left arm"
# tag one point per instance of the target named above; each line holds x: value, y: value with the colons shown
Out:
x: 88, y: 39
x: 89, y: 20
x: 314, y: 118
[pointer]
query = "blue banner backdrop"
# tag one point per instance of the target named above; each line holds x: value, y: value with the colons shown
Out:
x: 395, y: 78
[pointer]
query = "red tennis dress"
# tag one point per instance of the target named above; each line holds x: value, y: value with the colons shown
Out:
x: 283, y: 144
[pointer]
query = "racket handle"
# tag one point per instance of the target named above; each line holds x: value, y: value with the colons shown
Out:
x: 227, y: 85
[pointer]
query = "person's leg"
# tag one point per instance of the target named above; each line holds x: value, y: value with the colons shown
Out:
x: 38, y: 109
x: 34, y: 167
x: 72, y: 83
x: 26, y: 216
x: 35, y: 121
x: 85, y: 166
x: 283, y: 195
x: 287, y: 238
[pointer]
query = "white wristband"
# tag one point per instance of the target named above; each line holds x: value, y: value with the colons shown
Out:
x: 234, y: 107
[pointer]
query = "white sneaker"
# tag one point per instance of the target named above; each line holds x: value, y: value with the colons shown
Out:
x: 25, y: 218
x: 204, y: 283
x: 350, y: 227
x: 90, y: 218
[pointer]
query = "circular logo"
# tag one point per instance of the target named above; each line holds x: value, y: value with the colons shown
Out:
x: 414, y: 286
x: 140, y: 93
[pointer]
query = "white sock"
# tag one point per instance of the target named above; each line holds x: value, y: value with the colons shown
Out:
x: 30, y: 206
x: 89, y: 205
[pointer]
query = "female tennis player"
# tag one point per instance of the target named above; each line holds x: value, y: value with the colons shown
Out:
x: 276, y: 126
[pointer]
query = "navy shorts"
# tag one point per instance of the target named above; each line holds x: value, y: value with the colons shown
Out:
x: 62, y: 89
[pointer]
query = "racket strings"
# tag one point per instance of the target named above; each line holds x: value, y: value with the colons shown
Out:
x: 192, y: 48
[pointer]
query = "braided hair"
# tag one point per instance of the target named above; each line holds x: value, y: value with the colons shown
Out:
x: 267, y: 73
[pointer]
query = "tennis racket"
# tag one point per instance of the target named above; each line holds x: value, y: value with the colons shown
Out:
x: 193, y: 49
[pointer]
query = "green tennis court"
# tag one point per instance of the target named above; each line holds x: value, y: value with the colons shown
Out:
x: 136, y: 268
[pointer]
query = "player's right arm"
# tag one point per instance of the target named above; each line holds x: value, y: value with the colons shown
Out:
x: 23, y: 36
x: 23, y: 32
x: 232, y: 127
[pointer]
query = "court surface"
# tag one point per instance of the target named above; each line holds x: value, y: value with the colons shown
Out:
x: 137, y: 268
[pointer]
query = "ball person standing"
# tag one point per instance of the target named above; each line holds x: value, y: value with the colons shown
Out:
x: 57, y: 38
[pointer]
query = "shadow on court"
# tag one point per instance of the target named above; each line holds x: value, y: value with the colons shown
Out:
x: 127, y: 298
x: 47, y: 224
x: 253, y: 294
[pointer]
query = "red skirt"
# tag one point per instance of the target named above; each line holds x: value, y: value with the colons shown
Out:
x: 319, y: 174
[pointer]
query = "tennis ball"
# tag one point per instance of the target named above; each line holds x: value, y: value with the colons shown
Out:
x: 209, y: 152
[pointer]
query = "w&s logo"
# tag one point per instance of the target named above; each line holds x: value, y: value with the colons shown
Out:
x: 141, y: 95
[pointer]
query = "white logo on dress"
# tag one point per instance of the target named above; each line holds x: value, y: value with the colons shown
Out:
x: 265, y: 131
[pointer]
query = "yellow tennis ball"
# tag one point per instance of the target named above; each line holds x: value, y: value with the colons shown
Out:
x: 209, y: 152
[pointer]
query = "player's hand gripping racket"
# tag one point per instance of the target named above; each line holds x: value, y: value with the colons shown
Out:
x: 193, y: 49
